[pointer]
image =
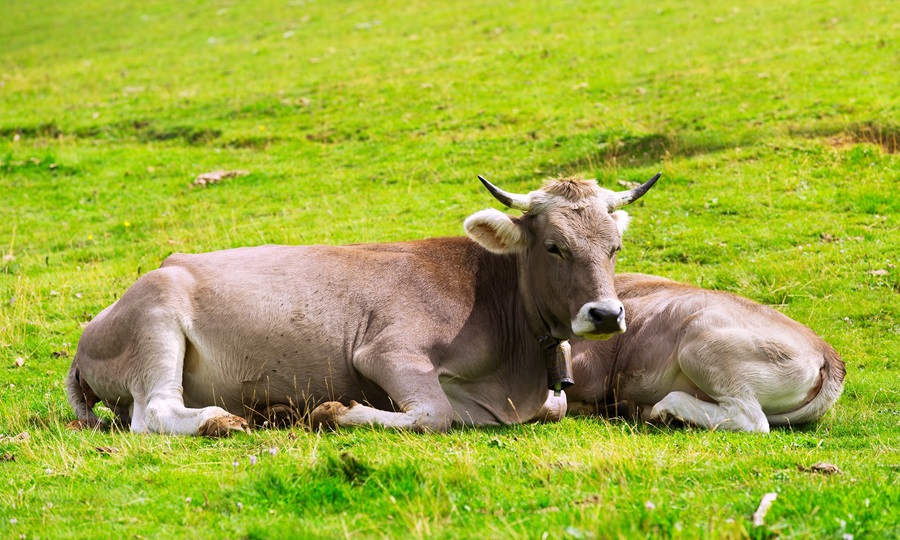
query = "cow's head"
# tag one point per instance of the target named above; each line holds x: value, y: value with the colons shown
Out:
x: 566, y: 243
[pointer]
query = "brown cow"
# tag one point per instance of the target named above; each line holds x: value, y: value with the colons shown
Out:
x: 414, y: 335
x: 708, y: 358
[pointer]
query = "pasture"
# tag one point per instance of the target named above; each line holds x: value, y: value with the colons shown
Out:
x: 775, y: 125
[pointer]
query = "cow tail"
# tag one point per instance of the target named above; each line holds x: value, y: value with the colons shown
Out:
x: 832, y: 377
x: 81, y: 396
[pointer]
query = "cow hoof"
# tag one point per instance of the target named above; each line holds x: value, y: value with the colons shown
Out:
x: 275, y: 416
x: 79, y: 425
x: 658, y: 415
x: 324, y: 416
x: 662, y: 416
x: 223, y: 426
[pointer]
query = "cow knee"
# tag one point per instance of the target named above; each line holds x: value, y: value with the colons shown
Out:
x: 150, y: 421
x: 668, y: 407
x: 431, y: 420
x: 744, y: 415
x: 554, y: 409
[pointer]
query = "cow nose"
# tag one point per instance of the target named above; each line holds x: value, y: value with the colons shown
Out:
x: 599, y: 320
x: 607, y: 317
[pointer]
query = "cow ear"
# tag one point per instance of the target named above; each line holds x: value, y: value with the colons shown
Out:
x: 496, y: 231
x: 622, y: 220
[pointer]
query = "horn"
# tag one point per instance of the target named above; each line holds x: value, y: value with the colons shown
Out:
x: 627, y: 197
x: 516, y: 202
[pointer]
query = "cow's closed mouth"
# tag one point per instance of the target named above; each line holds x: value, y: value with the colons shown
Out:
x: 598, y: 336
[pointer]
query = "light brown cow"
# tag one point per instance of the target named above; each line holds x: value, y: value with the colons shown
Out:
x: 708, y: 358
x: 413, y: 335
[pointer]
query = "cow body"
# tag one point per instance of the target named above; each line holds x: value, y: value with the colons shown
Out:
x: 256, y: 329
x: 414, y: 335
x: 708, y: 358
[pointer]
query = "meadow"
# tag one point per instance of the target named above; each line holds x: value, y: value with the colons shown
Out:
x: 775, y: 126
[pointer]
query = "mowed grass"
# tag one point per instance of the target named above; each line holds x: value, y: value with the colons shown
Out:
x: 775, y: 126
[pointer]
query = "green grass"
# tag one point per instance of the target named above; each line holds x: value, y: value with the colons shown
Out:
x: 775, y: 125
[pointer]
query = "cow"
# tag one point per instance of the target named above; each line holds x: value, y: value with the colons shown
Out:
x: 707, y: 358
x: 414, y: 335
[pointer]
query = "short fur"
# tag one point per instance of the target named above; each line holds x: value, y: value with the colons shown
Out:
x: 414, y: 335
x: 709, y: 358
x: 573, y: 189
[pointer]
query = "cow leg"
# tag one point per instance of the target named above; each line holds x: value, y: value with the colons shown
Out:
x: 138, y: 408
x: 132, y: 353
x: 158, y: 401
x: 165, y: 413
x: 163, y: 410
x: 729, y: 413
x: 123, y: 416
x: 420, y: 418
x: 334, y: 413
x: 412, y: 384
x: 553, y: 410
x: 716, y: 363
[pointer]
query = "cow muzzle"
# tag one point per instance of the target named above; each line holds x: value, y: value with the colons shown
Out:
x: 599, y: 320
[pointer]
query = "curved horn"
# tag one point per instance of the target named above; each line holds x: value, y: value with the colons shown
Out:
x: 516, y: 202
x: 627, y: 197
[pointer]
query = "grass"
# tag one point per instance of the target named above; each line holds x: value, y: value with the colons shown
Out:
x: 775, y: 126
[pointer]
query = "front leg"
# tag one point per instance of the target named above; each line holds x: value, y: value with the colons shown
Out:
x: 410, y: 380
x: 332, y: 414
x: 553, y: 410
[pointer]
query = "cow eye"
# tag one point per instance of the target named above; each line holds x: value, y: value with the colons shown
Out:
x: 553, y: 249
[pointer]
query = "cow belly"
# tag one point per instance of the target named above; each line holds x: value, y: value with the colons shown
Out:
x: 242, y: 382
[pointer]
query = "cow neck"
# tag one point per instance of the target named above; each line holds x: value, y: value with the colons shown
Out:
x: 536, y: 323
x: 555, y: 352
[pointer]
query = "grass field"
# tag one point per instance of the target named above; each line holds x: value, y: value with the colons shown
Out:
x: 775, y: 125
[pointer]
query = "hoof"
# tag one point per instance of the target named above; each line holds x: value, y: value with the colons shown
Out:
x: 274, y: 416
x: 94, y: 423
x: 625, y: 409
x: 662, y: 416
x: 658, y: 415
x: 325, y: 415
x: 223, y: 426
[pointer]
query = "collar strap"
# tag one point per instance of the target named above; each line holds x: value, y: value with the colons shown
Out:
x: 547, y: 341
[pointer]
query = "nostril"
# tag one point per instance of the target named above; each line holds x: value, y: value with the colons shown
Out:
x: 606, y: 316
x: 598, y: 319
